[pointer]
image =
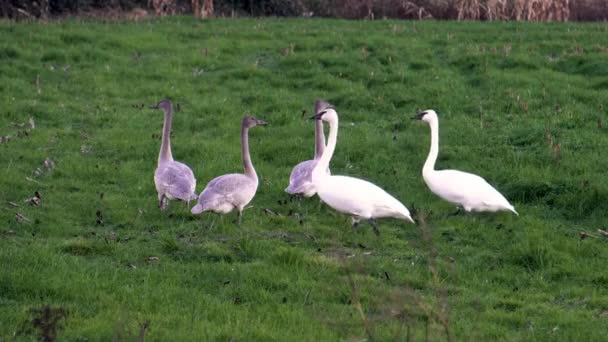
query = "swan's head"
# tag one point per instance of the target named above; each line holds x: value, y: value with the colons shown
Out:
x: 324, y: 111
x: 427, y: 115
x: 321, y: 105
x: 164, y: 105
x: 250, y: 121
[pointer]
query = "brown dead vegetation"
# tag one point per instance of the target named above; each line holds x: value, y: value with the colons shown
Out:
x: 521, y: 10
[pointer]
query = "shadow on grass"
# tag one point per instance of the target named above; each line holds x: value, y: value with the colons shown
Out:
x: 45, y: 322
x: 417, y: 311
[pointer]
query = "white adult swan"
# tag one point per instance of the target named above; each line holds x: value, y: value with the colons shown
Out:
x: 235, y: 190
x: 300, y: 180
x: 173, y: 180
x: 349, y: 195
x: 466, y: 190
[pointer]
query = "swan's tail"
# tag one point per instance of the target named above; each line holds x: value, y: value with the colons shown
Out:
x: 406, y: 216
x: 513, y: 210
x: 403, y: 213
x: 290, y: 190
x: 197, y: 209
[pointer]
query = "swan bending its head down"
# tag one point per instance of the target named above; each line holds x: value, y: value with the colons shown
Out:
x: 173, y: 180
x: 235, y: 190
x: 349, y: 195
x: 466, y: 190
x: 300, y: 180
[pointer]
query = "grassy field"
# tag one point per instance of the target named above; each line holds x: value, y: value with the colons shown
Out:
x: 523, y: 105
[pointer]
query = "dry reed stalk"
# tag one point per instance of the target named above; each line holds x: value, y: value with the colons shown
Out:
x: 521, y: 10
x: 496, y: 10
x: 137, y: 14
x: 541, y: 10
x: 469, y: 9
x: 202, y: 8
x: 408, y: 8
x: 162, y: 7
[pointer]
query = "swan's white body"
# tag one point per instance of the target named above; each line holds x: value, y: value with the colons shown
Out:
x: 173, y: 180
x: 463, y: 189
x: 349, y: 195
x: 300, y: 180
x: 359, y: 198
x: 232, y: 191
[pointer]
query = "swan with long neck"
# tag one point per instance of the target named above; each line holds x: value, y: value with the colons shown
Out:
x: 300, y: 180
x: 173, y: 180
x: 353, y: 196
x: 225, y: 193
x: 464, y: 189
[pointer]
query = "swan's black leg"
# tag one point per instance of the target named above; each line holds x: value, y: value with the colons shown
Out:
x: 320, y: 204
x: 374, y: 225
x: 162, y: 203
x: 354, y: 222
x: 240, y: 217
x: 457, y: 212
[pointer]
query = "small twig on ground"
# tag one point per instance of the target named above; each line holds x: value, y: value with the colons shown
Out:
x: 585, y: 235
x: 33, y: 180
x: 270, y: 212
x: 142, y: 331
x: 357, y: 303
x: 20, y: 218
x: 34, y: 201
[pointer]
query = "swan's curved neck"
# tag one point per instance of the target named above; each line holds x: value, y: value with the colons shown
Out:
x: 165, y: 147
x: 429, y: 165
x: 323, y: 163
x: 319, y: 139
x: 247, y: 165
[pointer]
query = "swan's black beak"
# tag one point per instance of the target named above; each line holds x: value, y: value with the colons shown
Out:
x: 318, y: 116
x: 154, y: 106
x: 419, y: 116
x: 261, y: 123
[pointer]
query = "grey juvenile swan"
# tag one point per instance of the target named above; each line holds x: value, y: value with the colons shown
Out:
x: 300, y: 180
x: 173, y: 180
x: 235, y: 190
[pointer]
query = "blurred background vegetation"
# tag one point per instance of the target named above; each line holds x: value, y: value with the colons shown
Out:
x: 524, y: 10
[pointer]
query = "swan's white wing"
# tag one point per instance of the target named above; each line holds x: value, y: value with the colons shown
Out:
x: 358, y: 197
x: 175, y: 180
x: 468, y: 190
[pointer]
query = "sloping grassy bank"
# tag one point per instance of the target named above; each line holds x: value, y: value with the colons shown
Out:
x: 523, y: 105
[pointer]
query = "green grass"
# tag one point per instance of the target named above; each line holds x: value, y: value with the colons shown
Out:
x: 502, y: 90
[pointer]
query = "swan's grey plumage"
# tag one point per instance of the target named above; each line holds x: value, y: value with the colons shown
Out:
x: 173, y: 180
x: 225, y: 193
x: 349, y: 195
x: 300, y: 180
x: 467, y: 190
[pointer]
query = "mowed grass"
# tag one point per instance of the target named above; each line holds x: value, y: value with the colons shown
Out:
x: 97, y: 246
